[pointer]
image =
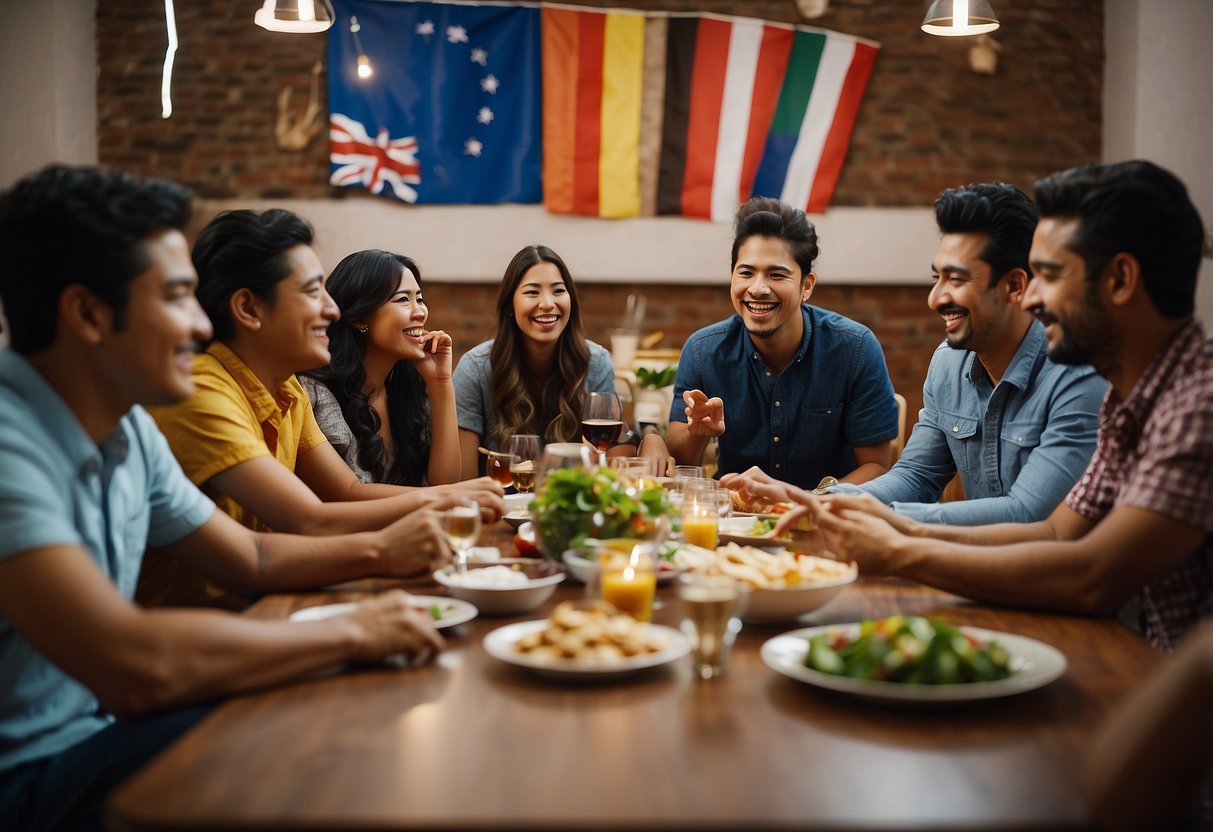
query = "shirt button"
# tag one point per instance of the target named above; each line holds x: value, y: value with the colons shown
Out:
x: 1018, y: 438
x: 776, y: 439
x: 777, y: 465
x: 777, y: 404
x: 768, y: 372
x: 955, y: 429
x: 829, y: 412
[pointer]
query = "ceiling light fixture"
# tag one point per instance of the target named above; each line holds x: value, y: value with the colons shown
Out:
x: 956, y: 18
x: 295, y: 15
x: 365, y: 70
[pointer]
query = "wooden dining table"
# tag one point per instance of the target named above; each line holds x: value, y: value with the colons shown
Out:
x: 470, y: 742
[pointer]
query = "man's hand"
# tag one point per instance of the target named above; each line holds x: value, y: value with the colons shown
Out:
x: 857, y: 536
x: 486, y: 491
x: 415, y: 544
x: 705, y: 417
x: 390, y: 626
x: 867, y: 504
x: 435, y: 367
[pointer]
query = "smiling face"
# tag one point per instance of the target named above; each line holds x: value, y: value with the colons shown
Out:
x: 294, y: 327
x: 394, y: 329
x: 149, y: 360
x: 976, y: 316
x: 542, y: 304
x: 1077, y: 324
x: 768, y: 286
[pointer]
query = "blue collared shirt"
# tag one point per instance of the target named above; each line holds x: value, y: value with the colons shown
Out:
x: 60, y: 488
x: 801, y: 424
x: 1018, y: 446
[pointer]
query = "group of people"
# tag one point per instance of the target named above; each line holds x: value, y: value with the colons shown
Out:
x: 303, y: 431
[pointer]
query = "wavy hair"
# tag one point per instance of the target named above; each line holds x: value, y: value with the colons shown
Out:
x: 522, y: 404
x: 360, y: 284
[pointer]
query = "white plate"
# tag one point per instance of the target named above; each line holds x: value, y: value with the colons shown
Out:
x: 500, y: 645
x: 517, y: 502
x: 1036, y: 664
x: 453, y: 610
x: 517, y: 517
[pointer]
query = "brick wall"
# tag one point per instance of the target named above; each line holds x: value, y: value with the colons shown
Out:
x: 898, y: 315
x: 927, y: 123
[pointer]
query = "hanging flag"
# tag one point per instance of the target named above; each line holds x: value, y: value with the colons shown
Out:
x: 593, y: 69
x: 452, y: 112
x: 824, y: 85
x: 722, y: 80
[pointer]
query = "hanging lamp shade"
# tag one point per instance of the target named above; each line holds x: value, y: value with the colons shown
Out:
x: 295, y: 15
x: 955, y: 18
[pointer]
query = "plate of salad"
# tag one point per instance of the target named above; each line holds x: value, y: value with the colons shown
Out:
x: 911, y: 659
x: 444, y: 612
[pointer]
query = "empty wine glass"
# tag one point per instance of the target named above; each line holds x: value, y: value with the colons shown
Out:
x: 526, y: 450
x: 601, y: 422
x: 461, y: 527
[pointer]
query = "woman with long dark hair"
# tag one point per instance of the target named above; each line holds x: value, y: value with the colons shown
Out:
x: 385, y: 401
x: 532, y: 378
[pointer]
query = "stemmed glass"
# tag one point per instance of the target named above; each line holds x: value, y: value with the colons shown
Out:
x: 526, y: 451
x: 461, y: 527
x: 601, y: 422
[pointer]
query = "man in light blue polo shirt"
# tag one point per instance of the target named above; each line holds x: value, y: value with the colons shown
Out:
x: 1018, y: 427
x: 98, y: 288
x: 807, y: 391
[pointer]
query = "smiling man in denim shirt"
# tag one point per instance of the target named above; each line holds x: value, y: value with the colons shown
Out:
x: 807, y: 389
x: 1018, y: 428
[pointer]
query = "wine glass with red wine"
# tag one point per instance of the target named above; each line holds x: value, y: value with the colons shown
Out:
x: 601, y: 422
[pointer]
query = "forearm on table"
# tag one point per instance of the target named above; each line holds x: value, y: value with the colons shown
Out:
x: 979, y: 512
x: 360, y: 515
x: 997, y: 534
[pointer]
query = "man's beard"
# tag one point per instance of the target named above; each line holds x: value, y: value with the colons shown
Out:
x: 1089, y: 337
x: 764, y: 334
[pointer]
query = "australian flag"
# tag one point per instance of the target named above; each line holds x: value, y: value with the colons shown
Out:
x: 453, y: 110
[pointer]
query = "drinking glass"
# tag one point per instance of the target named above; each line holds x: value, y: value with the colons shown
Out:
x: 526, y: 449
x: 558, y: 455
x: 461, y: 527
x: 601, y: 422
x: 498, y: 467
x: 711, y: 606
x: 700, y: 514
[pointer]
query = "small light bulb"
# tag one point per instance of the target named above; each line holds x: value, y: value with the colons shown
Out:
x: 364, y: 67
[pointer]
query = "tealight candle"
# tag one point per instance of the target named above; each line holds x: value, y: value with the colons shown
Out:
x: 629, y: 583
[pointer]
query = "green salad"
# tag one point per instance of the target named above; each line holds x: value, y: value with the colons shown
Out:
x: 574, y: 504
x: 908, y: 649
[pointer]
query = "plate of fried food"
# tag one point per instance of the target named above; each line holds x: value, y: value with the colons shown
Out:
x: 745, y: 504
x: 783, y: 585
x: 587, y: 640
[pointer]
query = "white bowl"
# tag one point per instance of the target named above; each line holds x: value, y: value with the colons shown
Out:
x: 518, y: 502
x: 500, y: 600
x: 774, y: 605
x: 580, y: 561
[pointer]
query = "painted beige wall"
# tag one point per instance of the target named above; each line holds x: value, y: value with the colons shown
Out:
x: 1156, y: 100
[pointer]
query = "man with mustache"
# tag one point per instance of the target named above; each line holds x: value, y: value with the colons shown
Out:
x: 1114, y: 264
x: 1017, y: 427
x: 808, y: 392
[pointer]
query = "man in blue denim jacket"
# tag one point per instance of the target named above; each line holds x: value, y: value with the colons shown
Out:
x: 808, y: 391
x: 1018, y: 428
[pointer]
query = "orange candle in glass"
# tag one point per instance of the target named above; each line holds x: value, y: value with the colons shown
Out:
x: 629, y: 583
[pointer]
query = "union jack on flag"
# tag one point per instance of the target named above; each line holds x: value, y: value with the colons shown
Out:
x: 375, y: 163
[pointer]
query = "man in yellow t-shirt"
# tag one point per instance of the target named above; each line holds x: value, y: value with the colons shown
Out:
x: 248, y: 436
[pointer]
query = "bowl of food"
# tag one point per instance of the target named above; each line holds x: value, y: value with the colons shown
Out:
x: 576, y: 504
x: 783, y: 585
x: 506, y: 587
x: 581, y: 561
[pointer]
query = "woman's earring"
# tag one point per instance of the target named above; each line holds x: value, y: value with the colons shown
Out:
x: 361, y: 328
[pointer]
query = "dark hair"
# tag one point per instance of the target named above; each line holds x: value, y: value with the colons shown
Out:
x: 764, y: 216
x: 995, y: 208
x: 1135, y: 207
x: 360, y: 284
x: 244, y: 250
x: 522, y: 405
x: 66, y: 225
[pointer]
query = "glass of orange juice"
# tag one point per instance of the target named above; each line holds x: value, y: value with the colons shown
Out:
x: 700, y: 515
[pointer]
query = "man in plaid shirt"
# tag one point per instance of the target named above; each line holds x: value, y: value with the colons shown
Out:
x: 1114, y: 265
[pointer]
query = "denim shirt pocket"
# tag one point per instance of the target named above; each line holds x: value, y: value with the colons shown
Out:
x: 1018, y: 440
x: 817, y: 434
x: 960, y: 431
